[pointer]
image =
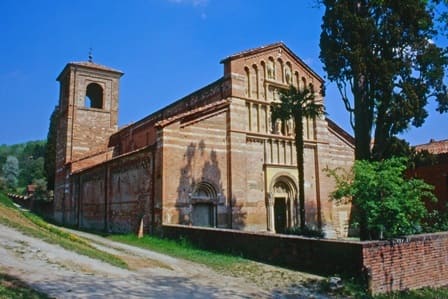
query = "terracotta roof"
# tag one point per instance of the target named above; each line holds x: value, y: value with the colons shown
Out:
x: 269, y: 47
x: 31, y: 188
x: 254, y: 50
x: 434, y: 146
x: 201, y: 109
x: 94, y: 65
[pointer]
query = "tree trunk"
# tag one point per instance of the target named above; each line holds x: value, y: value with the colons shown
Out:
x: 363, y: 121
x: 300, y: 167
x: 363, y: 129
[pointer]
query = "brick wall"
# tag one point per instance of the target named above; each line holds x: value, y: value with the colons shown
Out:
x: 325, y: 257
x: 115, y: 195
x: 436, y: 175
x: 414, y: 262
x: 40, y: 207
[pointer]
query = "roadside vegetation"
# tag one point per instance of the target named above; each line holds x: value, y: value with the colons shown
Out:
x: 264, y: 276
x: 353, y: 288
x: 256, y: 273
x: 35, y: 226
x: 11, y: 287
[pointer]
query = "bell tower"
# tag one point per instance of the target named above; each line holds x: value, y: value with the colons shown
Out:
x: 87, y: 116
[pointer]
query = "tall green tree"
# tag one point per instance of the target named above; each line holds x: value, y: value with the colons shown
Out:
x: 50, y: 150
x: 297, y: 104
x: 382, y: 57
x: 11, y: 171
x: 440, y: 8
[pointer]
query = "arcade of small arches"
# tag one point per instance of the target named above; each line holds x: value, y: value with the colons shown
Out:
x: 275, y: 75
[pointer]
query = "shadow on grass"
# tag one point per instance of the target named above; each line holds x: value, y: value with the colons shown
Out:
x: 12, y: 287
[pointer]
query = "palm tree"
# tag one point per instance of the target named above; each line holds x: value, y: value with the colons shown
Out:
x: 296, y: 104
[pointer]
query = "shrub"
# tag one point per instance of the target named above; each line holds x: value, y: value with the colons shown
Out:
x: 306, y: 232
x: 389, y: 204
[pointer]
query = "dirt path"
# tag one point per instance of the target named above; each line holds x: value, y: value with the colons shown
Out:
x: 65, y: 274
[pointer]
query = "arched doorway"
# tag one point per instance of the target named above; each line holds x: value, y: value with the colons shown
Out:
x: 282, y: 204
x: 203, y: 201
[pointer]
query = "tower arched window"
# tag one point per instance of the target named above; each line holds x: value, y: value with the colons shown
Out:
x: 94, y: 96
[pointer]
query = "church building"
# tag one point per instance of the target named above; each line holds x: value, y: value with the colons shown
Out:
x: 212, y: 158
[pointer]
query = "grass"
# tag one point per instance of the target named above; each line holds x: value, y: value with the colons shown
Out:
x: 35, y: 226
x: 354, y: 288
x: 11, y: 287
x: 182, y: 249
x: 256, y: 273
x: 226, y: 264
x: 265, y: 276
x: 425, y: 293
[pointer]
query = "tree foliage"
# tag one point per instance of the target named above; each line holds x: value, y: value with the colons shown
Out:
x: 30, y: 162
x: 11, y: 172
x: 391, y: 205
x: 41, y: 189
x: 50, y: 153
x: 297, y: 104
x: 382, y: 57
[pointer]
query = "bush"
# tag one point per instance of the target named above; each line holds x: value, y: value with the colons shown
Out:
x: 386, y: 202
x: 437, y: 221
x: 306, y: 232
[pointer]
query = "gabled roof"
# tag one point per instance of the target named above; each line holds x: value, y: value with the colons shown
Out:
x: 339, y: 130
x: 91, y: 65
x: 264, y: 48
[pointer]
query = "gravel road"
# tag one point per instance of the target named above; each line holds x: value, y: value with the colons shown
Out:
x: 64, y: 274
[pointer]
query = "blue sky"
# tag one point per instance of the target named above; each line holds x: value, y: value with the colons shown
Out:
x: 166, y: 48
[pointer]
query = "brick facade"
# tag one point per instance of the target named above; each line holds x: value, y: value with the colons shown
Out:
x: 435, y: 172
x: 218, y: 160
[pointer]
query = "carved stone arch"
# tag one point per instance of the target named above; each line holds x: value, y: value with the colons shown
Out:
x: 282, y: 206
x: 204, y: 199
x: 204, y: 191
x: 285, y: 178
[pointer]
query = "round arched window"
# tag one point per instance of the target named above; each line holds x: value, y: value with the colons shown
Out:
x: 94, y: 96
